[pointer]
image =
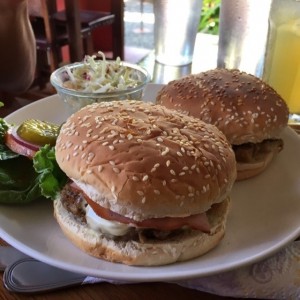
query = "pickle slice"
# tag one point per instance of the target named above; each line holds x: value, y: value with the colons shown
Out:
x: 38, y: 132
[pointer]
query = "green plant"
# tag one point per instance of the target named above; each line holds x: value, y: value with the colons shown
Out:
x: 209, y: 22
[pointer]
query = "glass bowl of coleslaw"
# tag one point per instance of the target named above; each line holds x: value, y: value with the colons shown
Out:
x: 82, y: 83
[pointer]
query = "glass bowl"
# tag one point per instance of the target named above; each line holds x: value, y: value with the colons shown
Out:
x: 76, y: 99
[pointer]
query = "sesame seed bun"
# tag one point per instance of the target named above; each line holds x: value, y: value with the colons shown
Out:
x: 145, y: 161
x: 242, y: 106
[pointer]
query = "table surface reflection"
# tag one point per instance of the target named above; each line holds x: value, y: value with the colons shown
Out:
x: 205, y: 58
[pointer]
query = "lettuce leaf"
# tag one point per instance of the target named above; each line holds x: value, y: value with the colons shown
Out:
x: 51, y: 177
x: 23, y: 180
x: 18, y: 181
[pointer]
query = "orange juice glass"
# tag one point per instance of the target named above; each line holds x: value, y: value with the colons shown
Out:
x: 282, y: 62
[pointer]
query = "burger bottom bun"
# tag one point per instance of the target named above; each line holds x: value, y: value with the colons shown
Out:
x: 157, y: 252
x: 248, y: 170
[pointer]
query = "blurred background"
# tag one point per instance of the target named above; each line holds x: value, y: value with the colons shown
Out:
x: 139, y: 21
x: 65, y: 32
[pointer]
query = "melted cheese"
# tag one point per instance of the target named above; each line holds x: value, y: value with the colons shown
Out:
x: 99, y: 224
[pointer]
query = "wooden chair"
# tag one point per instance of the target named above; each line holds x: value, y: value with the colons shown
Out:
x: 71, y: 26
x: 47, y: 46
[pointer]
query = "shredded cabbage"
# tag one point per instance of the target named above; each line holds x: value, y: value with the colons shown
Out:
x: 100, y: 76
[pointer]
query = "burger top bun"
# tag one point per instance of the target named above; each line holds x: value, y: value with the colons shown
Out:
x: 242, y: 106
x: 145, y: 161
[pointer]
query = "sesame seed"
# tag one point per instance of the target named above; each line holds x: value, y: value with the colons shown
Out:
x: 111, y: 147
x: 100, y: 168
x: 141, y: 193
x: 168, y: 163
x: 134, y: 178
x: 116, y: 170
x: 173, y: 172
x: 91, y: 155
x: 165, y: 151
x: 69, y: 144
x: 143, y: 199
x: 145, y: 178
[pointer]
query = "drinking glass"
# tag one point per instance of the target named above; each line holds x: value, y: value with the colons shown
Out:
x: 175, y: 29
x: 282, y: 63
x: 243, y: 34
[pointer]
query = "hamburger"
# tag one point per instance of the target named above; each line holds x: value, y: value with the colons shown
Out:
x: 148, y: 186
x: 247, y: 110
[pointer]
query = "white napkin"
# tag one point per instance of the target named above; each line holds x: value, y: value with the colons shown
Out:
x: 277, y: 277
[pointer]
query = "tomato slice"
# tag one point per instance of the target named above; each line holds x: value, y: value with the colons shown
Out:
x: 197, y: 221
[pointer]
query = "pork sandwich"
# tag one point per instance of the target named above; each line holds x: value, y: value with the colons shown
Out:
x: 247, y: 110
x: 148, y: 186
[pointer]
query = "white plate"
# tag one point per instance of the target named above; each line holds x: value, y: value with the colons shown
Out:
x: 265, y: 217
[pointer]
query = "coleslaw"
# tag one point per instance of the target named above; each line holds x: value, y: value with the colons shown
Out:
x: 101, y: 76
